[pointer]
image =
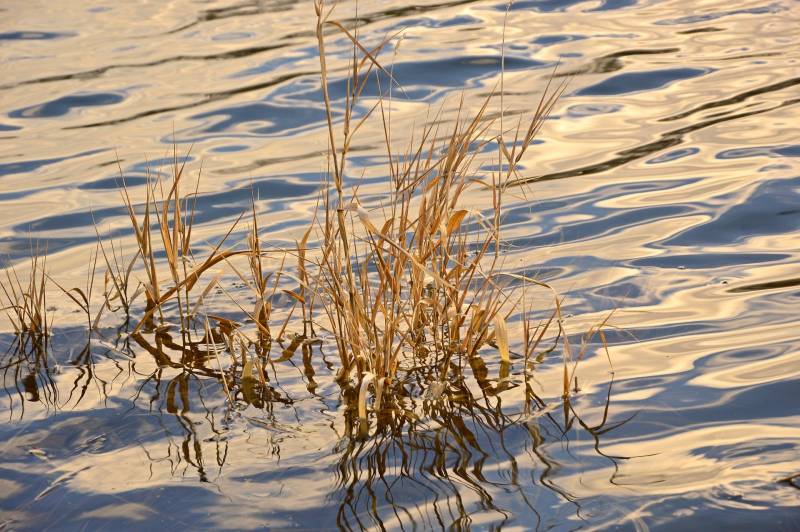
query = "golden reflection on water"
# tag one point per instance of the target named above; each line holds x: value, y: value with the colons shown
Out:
x: 674, y: 203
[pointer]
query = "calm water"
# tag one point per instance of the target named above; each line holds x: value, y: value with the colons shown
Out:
x: 667, y: 184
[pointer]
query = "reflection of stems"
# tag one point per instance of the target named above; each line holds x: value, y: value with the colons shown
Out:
x: 438, y: 460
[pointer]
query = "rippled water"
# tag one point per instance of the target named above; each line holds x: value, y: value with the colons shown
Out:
x: 666, y: 184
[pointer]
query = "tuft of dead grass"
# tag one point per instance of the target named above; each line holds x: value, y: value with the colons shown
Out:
x: 25, y: 302
x: 409, y: 289
x: 419, y: 274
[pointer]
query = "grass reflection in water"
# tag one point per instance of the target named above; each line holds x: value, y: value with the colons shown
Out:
x: 429, y: 462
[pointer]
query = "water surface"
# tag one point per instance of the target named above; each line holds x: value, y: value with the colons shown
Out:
x: 666, y: 185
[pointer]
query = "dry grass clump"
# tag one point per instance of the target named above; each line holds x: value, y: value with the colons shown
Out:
x: 420, y: 273
x: 173, y: 215
x: 25, y: 303
x: 411, y: 288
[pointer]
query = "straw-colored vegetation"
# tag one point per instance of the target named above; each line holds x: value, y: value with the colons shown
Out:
x: 26, y: 302
x: 409, y: 288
